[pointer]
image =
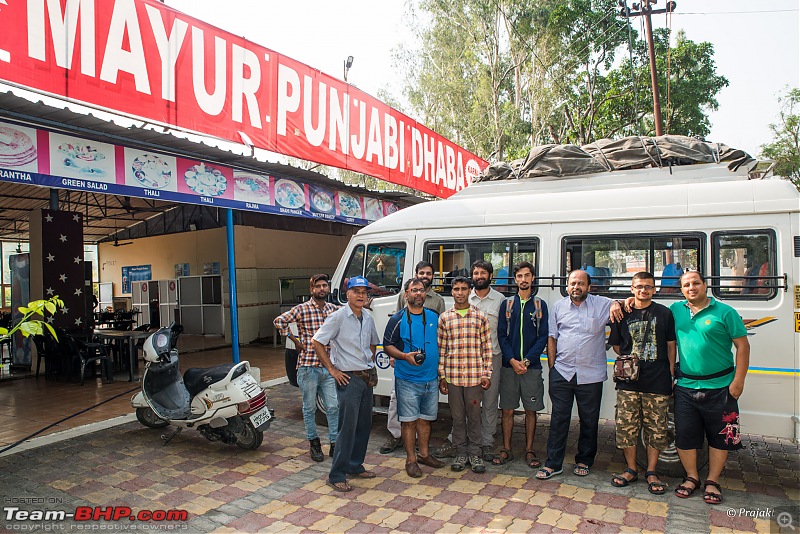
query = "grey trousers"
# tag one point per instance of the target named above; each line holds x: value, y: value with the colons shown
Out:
x: 465, y: 408
x: 489, y: 413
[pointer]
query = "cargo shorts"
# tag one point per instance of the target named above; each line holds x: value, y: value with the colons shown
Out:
x: 637, y: 411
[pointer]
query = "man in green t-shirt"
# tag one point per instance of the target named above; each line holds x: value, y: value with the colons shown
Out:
x: 709, y: 383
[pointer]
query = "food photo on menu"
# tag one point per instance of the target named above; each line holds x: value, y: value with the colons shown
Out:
x: 152, y: 171
x: 289, y: 194
x: 73, y: 157
x: 251, y: 187
x: 205, y: 180
x: 350, y: 206
x: 322, y: 200
x: 18, y: 148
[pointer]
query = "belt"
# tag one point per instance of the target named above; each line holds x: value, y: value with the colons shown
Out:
x: 363, y: 375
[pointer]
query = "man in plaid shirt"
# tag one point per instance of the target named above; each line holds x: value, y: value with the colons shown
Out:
x: 312, y: 377
x: 465, y: 370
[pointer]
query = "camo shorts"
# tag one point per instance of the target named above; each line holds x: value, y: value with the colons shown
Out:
x: 636, y: 411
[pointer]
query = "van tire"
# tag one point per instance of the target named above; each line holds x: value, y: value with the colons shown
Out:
x: 669, y: 463
x: 321, y: 416
x: 290, y: 357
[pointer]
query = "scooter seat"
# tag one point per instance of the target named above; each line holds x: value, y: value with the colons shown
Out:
x: 197, y: 379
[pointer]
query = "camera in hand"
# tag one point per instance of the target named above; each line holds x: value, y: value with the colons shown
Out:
x: 419, y: 357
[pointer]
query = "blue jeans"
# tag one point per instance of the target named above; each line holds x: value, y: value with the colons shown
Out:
x: 313, y: 381
x: 562, y: 395
x: 355, y: 424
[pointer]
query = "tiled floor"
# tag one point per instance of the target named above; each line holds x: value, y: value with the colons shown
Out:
x: 27, y: 405
x: 277, y: 488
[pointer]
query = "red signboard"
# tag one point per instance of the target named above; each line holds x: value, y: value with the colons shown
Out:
x: 141, y: 58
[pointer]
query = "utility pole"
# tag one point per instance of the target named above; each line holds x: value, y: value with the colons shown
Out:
x: 645, y: 9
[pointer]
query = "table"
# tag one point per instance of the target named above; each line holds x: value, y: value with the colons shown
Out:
x: 131, y: 335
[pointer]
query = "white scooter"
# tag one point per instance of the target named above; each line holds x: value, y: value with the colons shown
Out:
x: 224, y: 403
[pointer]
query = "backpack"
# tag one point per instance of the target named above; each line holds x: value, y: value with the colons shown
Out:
x: 537, y: 303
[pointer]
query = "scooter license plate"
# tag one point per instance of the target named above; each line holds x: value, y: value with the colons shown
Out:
x: 260, y: 417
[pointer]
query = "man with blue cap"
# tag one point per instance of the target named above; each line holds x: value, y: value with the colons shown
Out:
x: 352, y: 336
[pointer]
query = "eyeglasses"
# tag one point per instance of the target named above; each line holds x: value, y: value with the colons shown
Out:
x: 646, y: 288
x: 417, y: 290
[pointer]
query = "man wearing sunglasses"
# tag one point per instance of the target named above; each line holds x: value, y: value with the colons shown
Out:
x: 648, y: 332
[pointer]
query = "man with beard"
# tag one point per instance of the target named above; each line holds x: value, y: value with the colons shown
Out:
x: 435, y: 302
x: 710, y: 382
x: 312, y: 377
x: 576, y: 354
x: 350, y: 330
x: 411, y: 339
x: 523, y: 337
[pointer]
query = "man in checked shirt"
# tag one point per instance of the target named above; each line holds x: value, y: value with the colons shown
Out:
x: 465, y: 370
x: 312, y: 377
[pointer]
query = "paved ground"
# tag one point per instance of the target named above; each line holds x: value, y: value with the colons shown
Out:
x: 279, y: 489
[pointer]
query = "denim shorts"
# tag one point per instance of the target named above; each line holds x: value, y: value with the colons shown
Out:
x: 416, y: 400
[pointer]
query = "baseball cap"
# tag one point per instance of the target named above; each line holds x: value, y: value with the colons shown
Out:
x: 357, y: 281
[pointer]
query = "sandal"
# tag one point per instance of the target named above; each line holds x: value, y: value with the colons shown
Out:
x: 531, y: 459
x: 581, y: 470
x: 685, y: 492
x: 340, y: 486
x: 619, y: 481
x: 711, y: 497
x: 657, y: 487
x: 503, y: 458
x: 546, y: 473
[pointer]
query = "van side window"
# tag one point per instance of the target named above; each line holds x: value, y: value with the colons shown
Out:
x: 381, y: 263
x: 612, y: 260
x: 744, y: 265
x: 454, y: 258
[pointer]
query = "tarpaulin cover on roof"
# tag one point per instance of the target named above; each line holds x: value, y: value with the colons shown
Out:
x: 613, y: 155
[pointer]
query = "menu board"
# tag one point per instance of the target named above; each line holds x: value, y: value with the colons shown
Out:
x: 49, y: 159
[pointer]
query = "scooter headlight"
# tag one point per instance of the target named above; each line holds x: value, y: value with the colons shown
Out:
x: 161, y: 342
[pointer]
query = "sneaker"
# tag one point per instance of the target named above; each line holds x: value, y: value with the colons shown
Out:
x: 316, y: 450
x: 477, y: 464
x: 391, y: 444
x: 445, y: 451
x: 460, y: 463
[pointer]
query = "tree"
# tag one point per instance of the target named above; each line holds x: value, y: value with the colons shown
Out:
x: 785, y: 148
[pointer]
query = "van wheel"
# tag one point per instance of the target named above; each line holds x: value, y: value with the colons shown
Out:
x: 321, y: 415
x: 290, y: 356
x: 669, y: 463
x: 148, y: 418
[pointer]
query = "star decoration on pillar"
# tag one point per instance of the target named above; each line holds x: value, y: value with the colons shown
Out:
x: 50, y: 291
x: 50, y: 257
x: 78, y: 321
x: 76, y: 217
x: 65, y: 310
x: 50, y: 319
x: 78, y: 292
x: 63, y: 238
x: 48, y: 218
x: 77, y: 259
x: 63, y: 277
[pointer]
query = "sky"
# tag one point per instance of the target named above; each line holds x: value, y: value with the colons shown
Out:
x: 756, y: 45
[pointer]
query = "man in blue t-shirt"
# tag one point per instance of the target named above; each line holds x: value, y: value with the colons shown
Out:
x: 410, y: 339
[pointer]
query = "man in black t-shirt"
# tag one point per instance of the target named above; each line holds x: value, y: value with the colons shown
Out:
x: 648, y: 331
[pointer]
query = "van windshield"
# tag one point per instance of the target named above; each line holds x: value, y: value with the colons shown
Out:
x: 381, y: 264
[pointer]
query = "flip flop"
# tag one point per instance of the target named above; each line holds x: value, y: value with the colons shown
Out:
x: 500, y: 459
x: 340, y: 486
x: 709, y: 496
x: 619, y: 481
x: 581, y: 470
x: 531, y: 459
x: 657, y: 487
x: 546, y: 473
x: 685, y: 492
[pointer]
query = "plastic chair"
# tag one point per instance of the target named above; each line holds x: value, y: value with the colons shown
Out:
x: 84, y: 352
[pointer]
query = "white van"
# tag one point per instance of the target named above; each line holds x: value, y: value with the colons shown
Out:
x: 744, y: 234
